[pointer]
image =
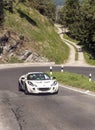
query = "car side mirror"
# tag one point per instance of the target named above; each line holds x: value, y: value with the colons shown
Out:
x: 23, y: 79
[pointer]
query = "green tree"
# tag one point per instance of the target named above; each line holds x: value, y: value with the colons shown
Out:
x: 69, y: 14
x: 1, y: 13
x: 85, y: 29
x: 80, y: 20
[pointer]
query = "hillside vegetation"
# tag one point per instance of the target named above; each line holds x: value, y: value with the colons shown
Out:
x: 39, y: 31
x: 79, y: 17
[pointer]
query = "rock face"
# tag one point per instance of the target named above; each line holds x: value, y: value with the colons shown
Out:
x: 13, y: 49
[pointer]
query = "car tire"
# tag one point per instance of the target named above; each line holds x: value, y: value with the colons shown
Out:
x: 26, y: 90
x: 56, y: 92
x: 19, y: 87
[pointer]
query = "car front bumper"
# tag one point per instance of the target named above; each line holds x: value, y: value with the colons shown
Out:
x: 36, y: 90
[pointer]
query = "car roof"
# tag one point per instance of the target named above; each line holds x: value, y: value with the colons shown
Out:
x: 35, y: 72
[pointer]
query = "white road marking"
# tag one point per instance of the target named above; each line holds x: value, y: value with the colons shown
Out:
x: 87, y: 92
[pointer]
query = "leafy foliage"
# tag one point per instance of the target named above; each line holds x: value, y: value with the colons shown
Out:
x: 1, y: 12
x: 79, y: 17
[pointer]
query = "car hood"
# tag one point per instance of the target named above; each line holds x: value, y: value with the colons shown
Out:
x: 43, y: 83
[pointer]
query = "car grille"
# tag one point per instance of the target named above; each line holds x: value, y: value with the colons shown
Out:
x: 44, y: 89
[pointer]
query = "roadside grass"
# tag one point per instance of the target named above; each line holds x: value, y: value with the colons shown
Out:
x: 68, y: 38
x: 14, y: 60
x: 88, y: 58
x: 75, y: 41
x: 40, y: 32
x: 75, y: 80
x: 76, y: 52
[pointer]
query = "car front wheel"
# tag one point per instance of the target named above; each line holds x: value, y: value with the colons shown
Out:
x: 26, y: 90
x: 19, y: 87
x: 56, y: 92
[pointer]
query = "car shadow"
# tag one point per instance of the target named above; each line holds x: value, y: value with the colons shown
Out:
x: 41, y: 94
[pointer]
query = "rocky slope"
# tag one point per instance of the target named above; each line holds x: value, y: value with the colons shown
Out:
x: 13, y: 49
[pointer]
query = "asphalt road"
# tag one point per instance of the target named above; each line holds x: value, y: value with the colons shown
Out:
x: 69, y: 110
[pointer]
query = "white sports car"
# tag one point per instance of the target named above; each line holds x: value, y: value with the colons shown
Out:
x: 38, y: 82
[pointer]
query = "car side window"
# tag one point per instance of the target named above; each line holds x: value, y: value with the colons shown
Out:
x: 30, y: 77
x: 47, y: 77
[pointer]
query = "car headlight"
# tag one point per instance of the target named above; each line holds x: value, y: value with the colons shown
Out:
x: 30, y: 83
x: 54, y: 83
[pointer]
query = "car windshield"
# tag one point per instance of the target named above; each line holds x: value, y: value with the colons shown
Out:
x: 38, y: 76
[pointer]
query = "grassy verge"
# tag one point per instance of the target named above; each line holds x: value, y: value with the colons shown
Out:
x: 88, y: 58
x: 76, y: 52
x: 75, y: 80
x: 70, y: 39
x: 76, y: 42
x: 14, y: 60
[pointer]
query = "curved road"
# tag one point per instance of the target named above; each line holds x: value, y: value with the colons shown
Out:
x: 69, y: 110
x: 71, y: 60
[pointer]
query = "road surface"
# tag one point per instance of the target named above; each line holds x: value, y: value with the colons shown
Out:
x: 69, y: 110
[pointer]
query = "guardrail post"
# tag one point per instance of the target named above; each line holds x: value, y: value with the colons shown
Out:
x: 51, y: 70
x: 62, y: 68
x: 90, y: 76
